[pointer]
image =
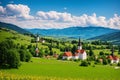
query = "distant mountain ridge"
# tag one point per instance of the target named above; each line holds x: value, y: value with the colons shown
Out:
x: 113, y: 37
x: 74, y: 32
x: 13, y: 27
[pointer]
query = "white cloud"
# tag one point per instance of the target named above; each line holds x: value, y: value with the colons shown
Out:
x: 20, y: 16
x: 18, y: 11
x: 2, y: 11
x: 53, y: 15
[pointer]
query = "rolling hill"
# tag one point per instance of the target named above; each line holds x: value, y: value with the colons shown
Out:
x: 15, y: 36
x: 74, y: 32
x: 114, y: 37
x: 13, y: 27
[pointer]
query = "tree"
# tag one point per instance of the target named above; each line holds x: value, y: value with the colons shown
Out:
x: 41, y: 53
x: 47, y: 51
x: 119, y: 50
x: 28, y: 56
x: 51, y: 52
x: 84, y: 63
x: 91, y: 53
x: 101, y: 53
x: 22, y: 55
x: 32, y: 51
x: 25, y: 55
x: 13, y: 58
x: 105, y: 61
x: 3, y: 55
x: 5, y: 46
x: 74, y: 48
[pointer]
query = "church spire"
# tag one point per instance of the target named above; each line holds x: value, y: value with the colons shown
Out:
x: 112, y: 51
x: 79, y: 44
x: 37, y: 40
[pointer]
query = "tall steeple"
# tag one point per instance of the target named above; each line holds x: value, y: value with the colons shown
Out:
x: 79, y: 44
x: 112, y: 51
x: 37, y: 40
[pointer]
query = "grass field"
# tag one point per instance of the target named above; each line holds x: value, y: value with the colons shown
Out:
x: 57, y: 69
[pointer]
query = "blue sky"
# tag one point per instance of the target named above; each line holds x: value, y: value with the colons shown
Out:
x: 104, y: 8
x: 76, y: 7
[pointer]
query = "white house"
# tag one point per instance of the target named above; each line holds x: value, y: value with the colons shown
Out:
x: 67, y: 55
x: 75, y: 56
x: 114, y: 59
x: 81, y: 52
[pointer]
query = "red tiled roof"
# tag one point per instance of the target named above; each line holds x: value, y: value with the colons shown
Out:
x: 67, y: 54
x: 80, y: 51
x: 76, y: 54
x: 113, y: 57
x: 110, y: 57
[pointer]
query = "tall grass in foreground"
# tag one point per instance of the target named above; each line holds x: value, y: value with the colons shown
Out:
x: 8, y: 76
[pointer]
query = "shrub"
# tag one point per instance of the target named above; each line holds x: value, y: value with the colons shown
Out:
x: 25, y: 55
x: 13, y: 58
x: 118, y: 64
x: 101, y: 53
x: 109, y: 61
x: 84, y: 63
x: 28, y: 56
x: 60, y: 56
x: 105, y: 62
x: 9, y: 56
x: 22, y: 55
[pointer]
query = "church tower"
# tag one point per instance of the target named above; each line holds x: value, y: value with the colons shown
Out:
x: 37, y: 50
x: 112, y: 51
x: 79, y: 45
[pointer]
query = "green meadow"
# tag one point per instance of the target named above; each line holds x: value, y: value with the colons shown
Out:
x: 59, y: 69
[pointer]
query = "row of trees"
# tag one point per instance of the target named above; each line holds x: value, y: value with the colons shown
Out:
x: 11, y: 54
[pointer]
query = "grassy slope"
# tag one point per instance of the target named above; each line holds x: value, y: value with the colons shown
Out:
x: 65, y: 69
x: 22, y: 39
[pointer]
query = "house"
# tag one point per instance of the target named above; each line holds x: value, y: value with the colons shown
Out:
x: 81, y: 52
x: 75, y: 56
x: 37, y: 51
x: 67, y: 55
x: 114, y: 59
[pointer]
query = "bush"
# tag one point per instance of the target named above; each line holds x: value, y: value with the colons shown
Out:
x: 60, y: 57
x: 13, y: 58
x: 84, y: 63
x: 22, y: 55
x: 118, y: 64
x: 101, y: 53
x: 28, y: 56
x: 25, y: 55
x: 9, y: 56
x: 105, y: 62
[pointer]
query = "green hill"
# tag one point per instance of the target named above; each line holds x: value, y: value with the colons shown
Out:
x: 15, y: 36
x: 22, y: 39
x: 113, y: 37
x: 13, y: 27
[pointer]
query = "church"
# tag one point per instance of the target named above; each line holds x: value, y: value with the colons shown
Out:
x: 79, y: 53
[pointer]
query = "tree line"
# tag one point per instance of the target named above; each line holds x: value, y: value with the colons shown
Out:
x: 11, y: 54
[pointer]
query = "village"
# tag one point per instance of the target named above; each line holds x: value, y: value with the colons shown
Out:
x: 81, y: 54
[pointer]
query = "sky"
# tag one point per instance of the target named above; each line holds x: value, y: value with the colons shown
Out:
x: 48, y: 14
